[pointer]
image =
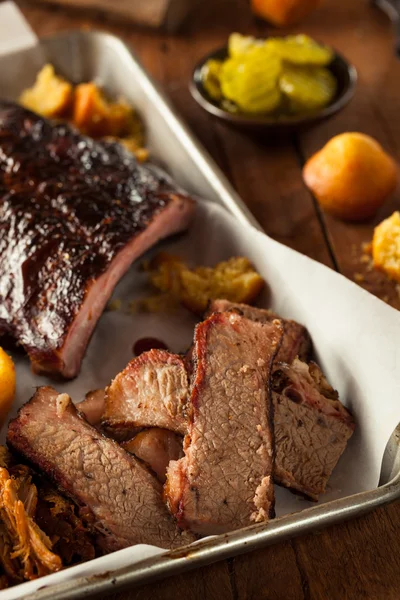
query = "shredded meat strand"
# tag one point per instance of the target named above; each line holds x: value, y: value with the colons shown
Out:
x: 22, y: 539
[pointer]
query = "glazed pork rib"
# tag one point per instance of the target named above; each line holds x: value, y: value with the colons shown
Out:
x: 296, y: 339
x: 312, y: 427
x: 117, y: 495
x: 224, y: 481
x: 74, y: 215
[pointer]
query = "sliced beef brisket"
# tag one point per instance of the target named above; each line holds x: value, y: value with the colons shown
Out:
x: 116, y: 493
x: 224, y: 481
x: 312, y: 427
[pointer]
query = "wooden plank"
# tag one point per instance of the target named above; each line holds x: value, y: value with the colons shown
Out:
x: 208, y: 583
x: 268, y: 178
x: 268, y: 574
x: 364, y: 36
x: 354, y: 560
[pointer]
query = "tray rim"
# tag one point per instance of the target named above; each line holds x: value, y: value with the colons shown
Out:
x: 224, y: 546
x: 243, y: 540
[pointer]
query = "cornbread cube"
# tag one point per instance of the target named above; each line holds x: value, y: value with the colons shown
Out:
x: 234, y: 279
x: 386, y: 246
x: 50, y: 96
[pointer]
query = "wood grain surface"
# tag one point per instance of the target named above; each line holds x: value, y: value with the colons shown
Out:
x: 358, y: 559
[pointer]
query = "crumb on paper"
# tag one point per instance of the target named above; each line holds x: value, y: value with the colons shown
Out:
x: 154, y: 304
x: 235, y: 279
x: 114, y: 305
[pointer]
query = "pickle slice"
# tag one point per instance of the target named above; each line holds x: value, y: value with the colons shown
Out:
x: 210, y: 76
x: 239, y: 44
x: 308, y: 88
x: 301, y: 50
x: 251, y: 81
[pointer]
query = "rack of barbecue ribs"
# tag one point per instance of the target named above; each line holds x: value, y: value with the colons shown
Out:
x: 74, y: 214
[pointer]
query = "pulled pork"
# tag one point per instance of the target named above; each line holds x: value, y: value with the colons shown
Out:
x: 26, y: 549
x: 39, y: 530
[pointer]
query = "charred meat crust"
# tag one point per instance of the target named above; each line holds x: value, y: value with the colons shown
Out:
x: 72, y: 210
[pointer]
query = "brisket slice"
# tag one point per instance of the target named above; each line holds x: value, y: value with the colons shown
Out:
x: 74, y: 215
x: 312, y: 427
x: 296, y: 340
x: 224, y: 481
x: 93, y: 407
x: 150, y: 392
x: 156, y: 448
x: 115, y: 492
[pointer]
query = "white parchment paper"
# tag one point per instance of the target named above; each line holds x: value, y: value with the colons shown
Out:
x: 356, y: 339
x: 15, y: 32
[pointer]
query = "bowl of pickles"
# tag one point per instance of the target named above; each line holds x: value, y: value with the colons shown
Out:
x: 274, y: 83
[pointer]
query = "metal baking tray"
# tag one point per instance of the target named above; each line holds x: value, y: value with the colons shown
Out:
x: 83, y: 56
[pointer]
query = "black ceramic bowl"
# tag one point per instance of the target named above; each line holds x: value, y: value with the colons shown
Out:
x: 344, y: 72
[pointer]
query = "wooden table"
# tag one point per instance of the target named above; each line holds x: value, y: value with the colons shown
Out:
x: 358, y: 559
